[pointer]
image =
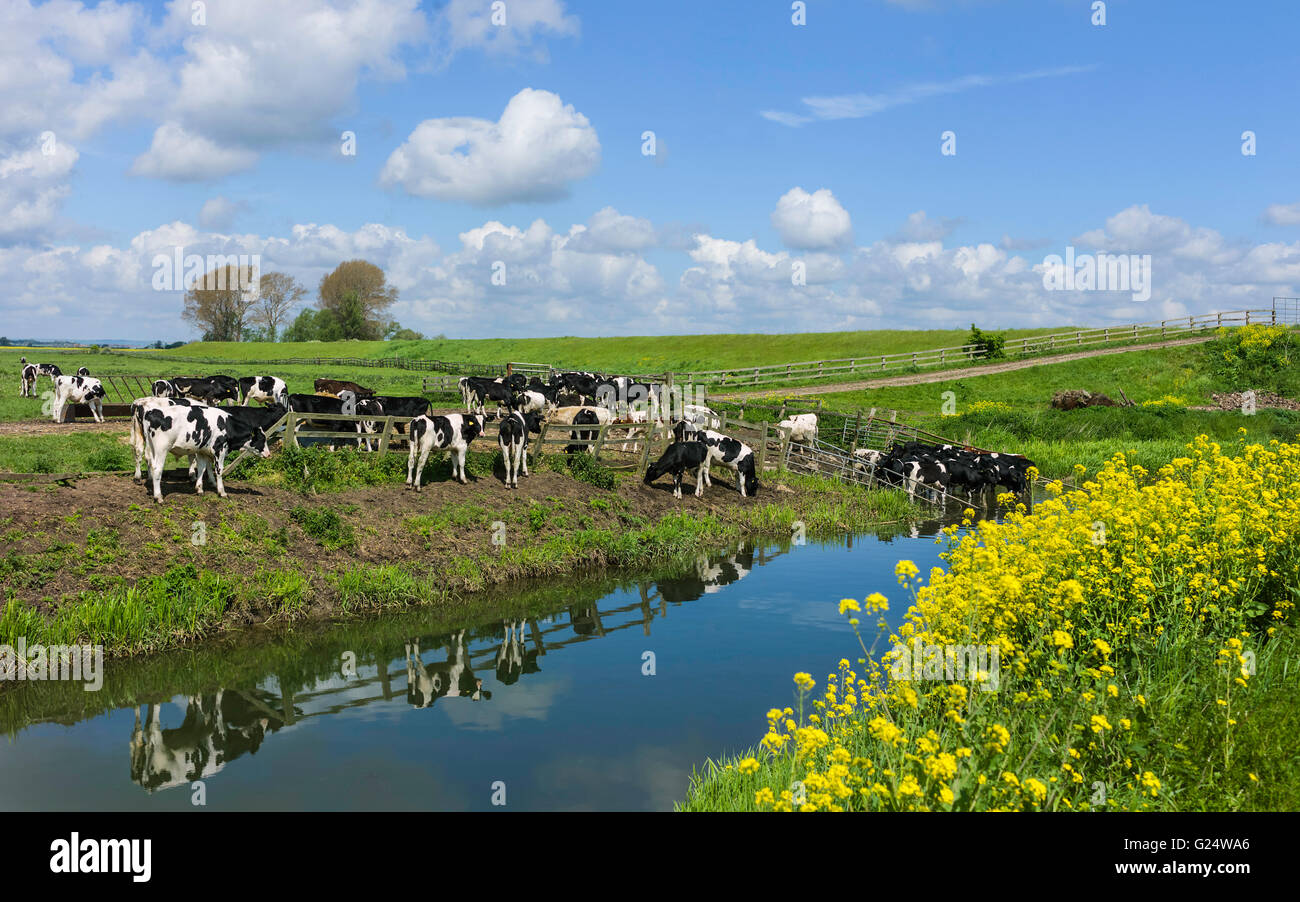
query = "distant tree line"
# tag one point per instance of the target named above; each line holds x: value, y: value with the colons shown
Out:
x: 351, y: 303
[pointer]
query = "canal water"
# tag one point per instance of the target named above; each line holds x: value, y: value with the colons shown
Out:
x: 601, y: 693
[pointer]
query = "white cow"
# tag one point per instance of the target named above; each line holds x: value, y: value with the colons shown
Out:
x: 78, y: 390
x: 802, y: 426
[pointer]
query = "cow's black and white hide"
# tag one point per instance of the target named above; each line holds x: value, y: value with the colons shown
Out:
x: 83, y: 371
x: 730, y: 452
x: 452, y: 433
x: 209, y: 433
x: 266, y: 389
x: 254, y: 417
x: 27, y: 381
x: 677, y: 459
x: 345, y: 405
x: 512, y: 438
x: 78, y: 390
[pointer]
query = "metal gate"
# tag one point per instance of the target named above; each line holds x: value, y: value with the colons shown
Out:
x: 1286, y: 310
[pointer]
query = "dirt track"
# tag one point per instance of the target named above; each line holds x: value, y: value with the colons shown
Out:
x: 964, y: 372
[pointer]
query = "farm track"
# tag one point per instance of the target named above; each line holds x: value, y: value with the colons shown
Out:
x: 948, y: 375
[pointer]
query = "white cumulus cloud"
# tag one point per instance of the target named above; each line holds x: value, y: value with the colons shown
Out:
x: 537, y: 149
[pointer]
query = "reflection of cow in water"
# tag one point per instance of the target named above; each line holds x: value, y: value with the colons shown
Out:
x: 216, y: 730
x: 710, y: 575
x: 453, y: 678
x: 514, y: 657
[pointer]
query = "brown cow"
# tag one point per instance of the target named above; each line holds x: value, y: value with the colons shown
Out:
x: 334, y: 386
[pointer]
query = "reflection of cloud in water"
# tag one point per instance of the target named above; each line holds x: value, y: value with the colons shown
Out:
x: 532, y: 700
x: 650, y: 777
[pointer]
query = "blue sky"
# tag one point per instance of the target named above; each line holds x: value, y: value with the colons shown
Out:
x: 777, y: 144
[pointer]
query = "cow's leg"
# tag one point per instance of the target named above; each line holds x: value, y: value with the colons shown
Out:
x: 156, y: 460
x: 419, y: 466
x: 523, y: 454
x: 97, y: 408
x: 701, y: 479
x: 201, y: 467
x: 218, y: 465
x: 410, y: 464
x: 460, y: 463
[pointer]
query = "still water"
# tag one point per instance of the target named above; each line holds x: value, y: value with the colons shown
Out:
x: 549, y: 697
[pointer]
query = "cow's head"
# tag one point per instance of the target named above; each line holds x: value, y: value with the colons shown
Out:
x: 257, y: 442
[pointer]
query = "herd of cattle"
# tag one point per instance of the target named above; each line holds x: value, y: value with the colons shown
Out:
x: 947, y: 468
x: 206, y: 418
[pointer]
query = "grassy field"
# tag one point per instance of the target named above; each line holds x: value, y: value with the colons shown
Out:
x: 622, y: 354
x: 1012, y: 411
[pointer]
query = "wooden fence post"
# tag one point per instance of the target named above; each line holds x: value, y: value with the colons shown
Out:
x: 541, y: 437
x: 383, y: 438
x: 645, y: 449
x: 290, y: 431
x: 762, y: 449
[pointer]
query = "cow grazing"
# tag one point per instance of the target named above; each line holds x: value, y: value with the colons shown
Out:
x: 731, y: 453
x: 266, y: 389
x: 48, y: 369
x: 209, y: 433
x: 27, y: 382
x: 453, y: 433
x: 512, y: 438
x: 677, y: 459
x: 802, y: 426
x: 78, y: 390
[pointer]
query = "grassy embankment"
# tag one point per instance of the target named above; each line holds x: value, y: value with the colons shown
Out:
x: 335, y: 536
x: 1147, y: 653
x: 1012, y: 411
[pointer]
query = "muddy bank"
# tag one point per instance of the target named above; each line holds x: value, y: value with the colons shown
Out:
x: 284, y: 556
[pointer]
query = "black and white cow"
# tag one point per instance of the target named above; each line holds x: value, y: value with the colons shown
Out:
x: 512, y: 438
x: 402, y: 406
x: 48, y: 369
x: 452, y: 432
x: 209, y: 433
x: 27, y: 382
x: 78, y: 390
x: 345, y: 405
x: 677, y: 459
x: 730, y: 452
x: 267, y: 389
x: 478, y: 391
x: 207, y: 389
x: 257, y: 417
x: 83, y: 371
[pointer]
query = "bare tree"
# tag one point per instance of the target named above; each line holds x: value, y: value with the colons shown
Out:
x: 219, y: 302
x: 278, y: 294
